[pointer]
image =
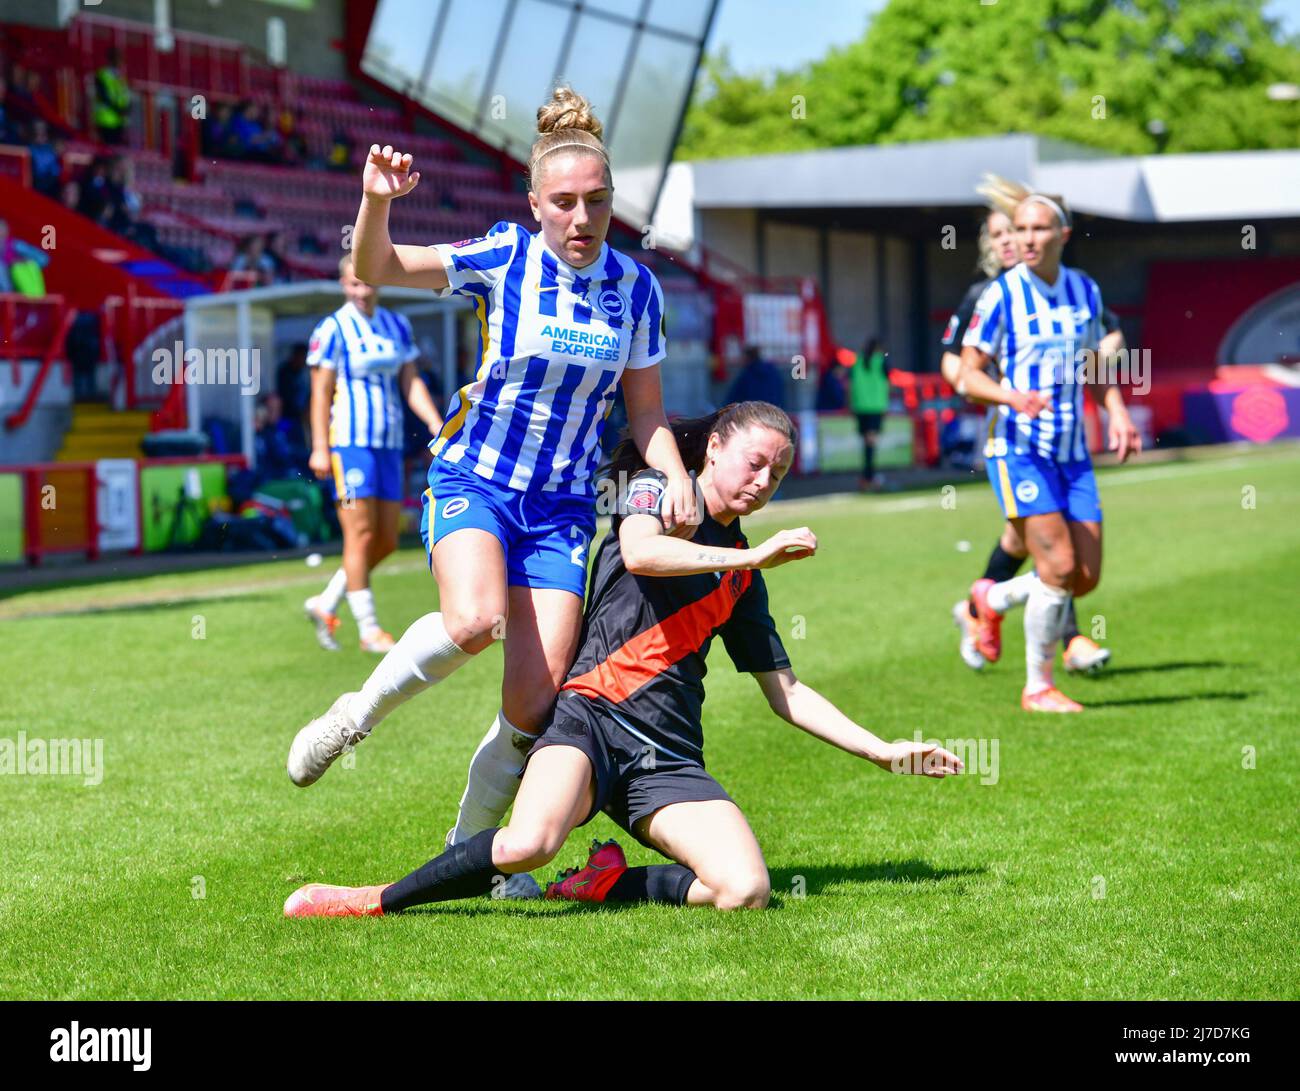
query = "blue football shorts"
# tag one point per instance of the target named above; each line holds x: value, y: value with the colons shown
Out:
x: 545, y: 535
x: 1030, y: 484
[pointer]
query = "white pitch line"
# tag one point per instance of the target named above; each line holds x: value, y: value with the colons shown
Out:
x: 1155, y: 473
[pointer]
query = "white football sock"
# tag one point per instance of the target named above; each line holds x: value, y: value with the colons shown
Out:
x: 362, y: 605
x: 1044, y: 622
x: 329, y: 599
x: 424, y: 655
x: 493, y: 778
x: 1013, y: 592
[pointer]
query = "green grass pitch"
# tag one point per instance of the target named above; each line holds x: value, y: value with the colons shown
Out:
x: 1128, y: 852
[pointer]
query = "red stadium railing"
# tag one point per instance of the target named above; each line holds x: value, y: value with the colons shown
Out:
x: 126, y: 324
x: 42, y: 333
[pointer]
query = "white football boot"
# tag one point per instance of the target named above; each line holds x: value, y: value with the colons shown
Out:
x: 324, y: 623
x: 316, y: 746
x: 966, y: 626
x: 1084, y: 656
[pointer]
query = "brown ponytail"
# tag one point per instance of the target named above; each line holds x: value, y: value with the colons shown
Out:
x: 692, y: 435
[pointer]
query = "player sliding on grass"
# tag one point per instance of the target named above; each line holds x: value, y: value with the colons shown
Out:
x: 1041, y: 322
x: 626, y: 734
x: 999, y: 252
x: 564, y: 321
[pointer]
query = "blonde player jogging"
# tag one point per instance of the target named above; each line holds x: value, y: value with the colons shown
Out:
x: 999, y: 251
x: 564, y: 320
x: 1042, y: 324
x: 362, y: 364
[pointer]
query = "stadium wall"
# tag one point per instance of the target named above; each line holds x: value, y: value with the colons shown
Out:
x: 39, y: 437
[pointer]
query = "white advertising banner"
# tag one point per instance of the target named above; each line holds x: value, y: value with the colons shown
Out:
x: 117, y: 504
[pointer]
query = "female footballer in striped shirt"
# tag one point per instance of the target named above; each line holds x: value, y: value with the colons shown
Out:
x: 564, y: 321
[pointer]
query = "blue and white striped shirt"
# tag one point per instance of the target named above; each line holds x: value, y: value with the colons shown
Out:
x: 553, y: 343
x: 366, y: 354
x: 1039, y: 334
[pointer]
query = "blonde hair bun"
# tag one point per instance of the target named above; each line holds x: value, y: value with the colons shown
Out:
x: 568, y: 110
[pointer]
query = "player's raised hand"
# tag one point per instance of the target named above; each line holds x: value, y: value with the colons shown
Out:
x: 1124, y: 439
x: 923, y: 759
x: 784, y: 546
x: 388, y: 173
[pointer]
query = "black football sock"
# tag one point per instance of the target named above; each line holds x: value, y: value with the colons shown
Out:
x: 1071, y: 629
x: 869, y: 461
x: 1001, y: 567
x: 667, y: 883
x: 463, y: 871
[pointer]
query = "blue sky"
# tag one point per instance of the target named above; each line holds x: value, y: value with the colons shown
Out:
x: 809, y: 28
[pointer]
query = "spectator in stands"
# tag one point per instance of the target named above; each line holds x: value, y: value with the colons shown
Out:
x: 293, y: 148
x: 112, y: 100
x: 273, y: 452
x: 831, y: 395
x: 25, y: 96
x: 215, y: 134
x: 83, y: 349
x: 758, y: 381
x: 8, y: 125
x: 340, y: 153
x: 95, y: 201
x: 252, y: 258
x: 253, y: 141
x: 21, y: 265
x: 293, y: 385
x: 869, y: 398
x: 126, y: 205
x: 46, y: 168
x: 277, y: 254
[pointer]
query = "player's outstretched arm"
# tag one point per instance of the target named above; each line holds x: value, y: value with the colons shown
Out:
x: 808, y: 710
x: 649, y: 550
x: 377, y: 261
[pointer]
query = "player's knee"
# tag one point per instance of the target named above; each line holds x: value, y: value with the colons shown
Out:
x: 474, y: 630
x: 1056, y: 567
x: 744, y: 891
x: 532, y: 847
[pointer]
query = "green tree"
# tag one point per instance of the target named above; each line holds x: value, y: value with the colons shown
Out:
x: 1126, y: 76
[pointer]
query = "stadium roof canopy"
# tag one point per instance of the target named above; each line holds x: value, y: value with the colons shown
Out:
x: 935, y: 174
